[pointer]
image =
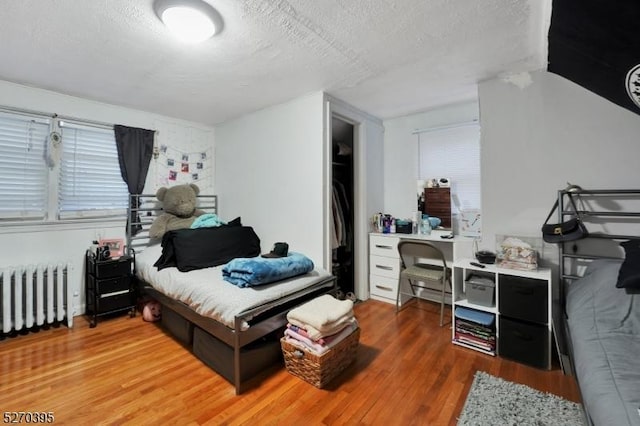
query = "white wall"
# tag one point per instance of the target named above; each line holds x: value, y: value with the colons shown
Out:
x: 536, y: 139
x: 67, y: 243
x: 401, y: 153
x: 270, y: 171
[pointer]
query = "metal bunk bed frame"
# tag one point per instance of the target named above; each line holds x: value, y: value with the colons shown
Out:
x: 568, y: 251
x: 586, y: 215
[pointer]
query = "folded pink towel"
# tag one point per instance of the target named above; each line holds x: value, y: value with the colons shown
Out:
x: 301, y: 331
x: 312, y: 346
x: 304, y: 343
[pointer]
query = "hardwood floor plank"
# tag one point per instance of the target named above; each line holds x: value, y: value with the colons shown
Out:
x: 127, y: 371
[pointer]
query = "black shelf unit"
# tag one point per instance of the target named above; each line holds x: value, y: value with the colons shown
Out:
x: 109, y: 287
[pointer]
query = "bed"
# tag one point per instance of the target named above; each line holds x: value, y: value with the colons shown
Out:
x: 601, y: 319
x: 233, y: 330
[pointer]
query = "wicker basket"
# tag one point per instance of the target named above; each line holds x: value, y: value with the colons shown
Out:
x: 320, y: 370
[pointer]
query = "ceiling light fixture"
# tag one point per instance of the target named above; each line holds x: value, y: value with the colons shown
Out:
x: 192, y: 21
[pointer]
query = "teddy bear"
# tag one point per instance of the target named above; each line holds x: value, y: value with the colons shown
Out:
x: 179, y: 205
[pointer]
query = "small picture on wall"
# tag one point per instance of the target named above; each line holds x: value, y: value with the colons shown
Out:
x: 199, y: 166
x: 170, y: 162
x: 173, y: 175
x: 203, y: 156
x: 194, y: 176
x: 185, y: 168
x: 185, y: 157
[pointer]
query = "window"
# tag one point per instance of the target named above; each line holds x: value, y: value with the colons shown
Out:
x: 90, y: 181
x: 454, y: 153
x: 52, y: 169
x: 23, y: 169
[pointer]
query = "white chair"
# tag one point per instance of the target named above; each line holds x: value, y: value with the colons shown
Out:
x: 430, y: 267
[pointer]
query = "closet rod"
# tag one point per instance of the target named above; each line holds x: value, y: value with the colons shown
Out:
x: 447, y: 127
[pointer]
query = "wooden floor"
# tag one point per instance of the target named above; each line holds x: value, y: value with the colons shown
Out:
x: 127, y: 371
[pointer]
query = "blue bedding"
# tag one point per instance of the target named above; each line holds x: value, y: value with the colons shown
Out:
x: 254, y: 271
x: 207, y: 220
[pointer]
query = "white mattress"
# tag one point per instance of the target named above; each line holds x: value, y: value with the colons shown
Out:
x: 208, y: 294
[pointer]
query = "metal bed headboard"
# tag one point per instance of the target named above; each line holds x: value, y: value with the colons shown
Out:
x: 614, y: 214
x: 144, y: 208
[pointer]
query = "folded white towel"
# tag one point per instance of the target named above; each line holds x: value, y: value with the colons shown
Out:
x: 321, y: 313
x: 327, y: 330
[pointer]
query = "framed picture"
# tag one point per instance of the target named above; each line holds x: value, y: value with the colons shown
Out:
x: 116, y: 246
x: 470, y: 223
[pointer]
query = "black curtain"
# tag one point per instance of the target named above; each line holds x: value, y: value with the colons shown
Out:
x: 596, y: 44
x: 135, y: 148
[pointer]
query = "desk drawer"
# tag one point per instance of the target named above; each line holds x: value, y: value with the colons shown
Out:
x: 384, y: 266
x: 383, y: 286
x: 384, y: 246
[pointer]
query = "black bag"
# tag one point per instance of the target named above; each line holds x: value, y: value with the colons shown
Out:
x: 570, y: 230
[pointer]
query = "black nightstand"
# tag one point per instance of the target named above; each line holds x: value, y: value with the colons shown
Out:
x: 108, y: 287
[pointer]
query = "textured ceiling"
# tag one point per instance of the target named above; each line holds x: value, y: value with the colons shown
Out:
x: 388, y: 58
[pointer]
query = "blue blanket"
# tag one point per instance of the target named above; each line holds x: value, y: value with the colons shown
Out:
x: 207, y: 220
x: 253, y: 271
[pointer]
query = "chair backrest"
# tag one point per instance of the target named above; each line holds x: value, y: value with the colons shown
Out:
x: 420, y: 249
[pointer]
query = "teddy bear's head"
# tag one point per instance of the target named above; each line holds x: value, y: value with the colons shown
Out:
x: 179, y: 200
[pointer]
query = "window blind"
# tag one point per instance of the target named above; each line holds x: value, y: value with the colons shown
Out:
x: 90, y: 183
x: 23, y: 168
x: 453, y: 153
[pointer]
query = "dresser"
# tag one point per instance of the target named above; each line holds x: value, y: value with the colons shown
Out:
x: 437, y: 203
x: 384, y: 262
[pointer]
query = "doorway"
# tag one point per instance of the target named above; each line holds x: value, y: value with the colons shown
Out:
x: 342, y: 211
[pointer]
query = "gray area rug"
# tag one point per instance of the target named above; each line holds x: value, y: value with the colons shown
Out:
x: 494, y: 401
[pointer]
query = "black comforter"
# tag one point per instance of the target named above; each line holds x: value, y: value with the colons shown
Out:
x: 189, y: 249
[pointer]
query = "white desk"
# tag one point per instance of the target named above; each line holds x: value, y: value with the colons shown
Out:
x: 384, y: 261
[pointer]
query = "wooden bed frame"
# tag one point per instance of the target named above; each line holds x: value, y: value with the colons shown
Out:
x: 237, y: 355
x: 579, y: 253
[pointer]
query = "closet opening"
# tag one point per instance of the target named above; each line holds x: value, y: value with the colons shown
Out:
x: 342, y: 204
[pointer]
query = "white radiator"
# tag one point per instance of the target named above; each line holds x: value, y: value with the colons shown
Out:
x: 34, y: 295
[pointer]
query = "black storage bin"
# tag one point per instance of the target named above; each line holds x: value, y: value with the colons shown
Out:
x: 523, y: 298
x: 109, y: 268
x: 404, y: 227
x: 112, y: 303
x: 110, y: 285
x: 524, y: 342
x: 179, y: 327
x: 255, y: 357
